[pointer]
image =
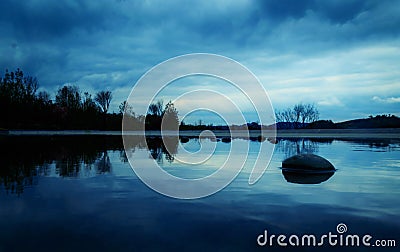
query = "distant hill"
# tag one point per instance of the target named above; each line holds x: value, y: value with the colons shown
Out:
x: 379, y: 121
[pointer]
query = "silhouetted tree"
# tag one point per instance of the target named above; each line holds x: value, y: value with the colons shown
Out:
x: 18, y: 100
x: 103, y: 99
x: 88, y: 105
x: 44, y: 97
x: 286, y: 116
x: 156, y: 108
x: 310, y: 113
x: 298, y: 110
x: 154, y: 116
x: 69, y: 97
x: 17, y: 87
x: 298, y: 116
x: 170, y: 117
x: 23, y: 108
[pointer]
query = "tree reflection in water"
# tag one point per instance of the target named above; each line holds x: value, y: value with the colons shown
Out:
x: 159, y: 148
x: 26, y: 158
x: 294, y: 146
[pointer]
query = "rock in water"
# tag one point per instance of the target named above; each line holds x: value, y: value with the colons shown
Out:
x: 309, y: 162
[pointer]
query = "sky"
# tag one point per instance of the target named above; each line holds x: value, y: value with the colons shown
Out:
x: 343, y: 56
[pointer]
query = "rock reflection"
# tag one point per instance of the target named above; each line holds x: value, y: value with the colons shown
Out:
x: 306, y: 178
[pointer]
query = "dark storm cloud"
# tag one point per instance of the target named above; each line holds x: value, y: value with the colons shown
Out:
x: 179, y: 26
x: 40, y: 20
x: 337, y: 12
x: 281, y: 10
x: 340, y: 12
x: 310, y: 26
x: 110, y: 44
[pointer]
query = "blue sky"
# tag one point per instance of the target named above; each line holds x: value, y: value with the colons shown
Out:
x: 344, y: 56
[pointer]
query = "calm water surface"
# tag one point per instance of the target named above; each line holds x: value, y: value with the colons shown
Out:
x: 80, y: 194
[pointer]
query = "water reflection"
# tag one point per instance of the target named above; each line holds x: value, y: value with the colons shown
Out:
x: 160, y: 148
x: 294, y: 146
x: 113, y: 210
x: 25, y: 158
x: 376, y: 145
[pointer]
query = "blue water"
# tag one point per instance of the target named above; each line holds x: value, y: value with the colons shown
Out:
x: 80, y: 194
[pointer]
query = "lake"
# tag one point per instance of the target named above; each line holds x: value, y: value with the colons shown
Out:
x: 79, y: 193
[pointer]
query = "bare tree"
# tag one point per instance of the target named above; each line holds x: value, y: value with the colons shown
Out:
x: 288, y: 115
x: 310, y: 113
x: 298, y: 111
x: 103, y: 99
x: 278, y: 116
x: 299, y: 115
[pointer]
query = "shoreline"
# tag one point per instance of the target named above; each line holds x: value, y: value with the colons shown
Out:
x: 292, y: 133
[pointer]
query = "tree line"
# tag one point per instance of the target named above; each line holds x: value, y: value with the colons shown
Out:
x: 158, y: 116
x: 23, y: 107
